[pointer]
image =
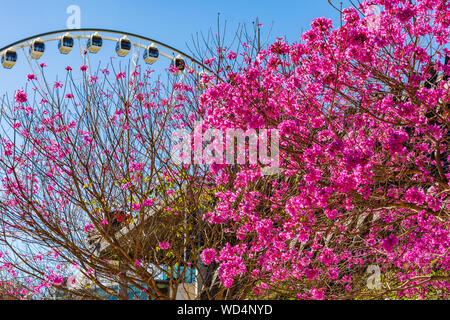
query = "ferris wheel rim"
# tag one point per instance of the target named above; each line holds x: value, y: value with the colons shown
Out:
x: 13, y: 44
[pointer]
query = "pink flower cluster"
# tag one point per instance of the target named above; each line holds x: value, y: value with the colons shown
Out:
x: 359, y: 139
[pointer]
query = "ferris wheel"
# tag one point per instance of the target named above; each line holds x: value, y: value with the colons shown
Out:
x: 93, y: 40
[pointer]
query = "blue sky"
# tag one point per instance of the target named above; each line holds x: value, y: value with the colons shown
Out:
x: 171, y: 22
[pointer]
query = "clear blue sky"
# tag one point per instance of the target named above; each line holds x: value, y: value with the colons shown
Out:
x: 172, y: 22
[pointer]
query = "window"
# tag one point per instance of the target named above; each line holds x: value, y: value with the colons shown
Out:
x: 97, y: 41
x: 179, y: 63
x: 153, y: 52
x: 11, y: 56
x: 126, y: 45
x: 39, y: 46
x: 67, y: 42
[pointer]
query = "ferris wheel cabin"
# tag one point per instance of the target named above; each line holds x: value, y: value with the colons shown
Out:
x: 201, y: 85
x: 123, y: 46
x: 65, y: 44
x: 37, y: 48
x: 151, y: 54
x: 9, y: 58
x: 179, y: 64
x: 95, y: 42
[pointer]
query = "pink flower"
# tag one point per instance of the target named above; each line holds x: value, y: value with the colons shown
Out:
x: 331, y: 213
x: 84, y: 68
x: 38, y: 257
x: 434, y: 204
x: 148, y: 202
x: 135, y: 73
x: 173, y: 69
x: 69, y: 68
x: 317, y: 294
x: 232, y: 55
x: 136, y: 206
x: 58, y: 84
x: 313, y: 175
x: 353, y: 159
x: 405, y: 14
x: 396, y: 140
x: 43, y: 65
x: 139, y: 97
x: 57, y: 280
x: 21, y: 96
x: 303, y: 236
x: 390, y: 242
x: 89, y: 228
x: 31, y: 77
x: 333, y: 273
x: 120, y: 75
x: 415, y: 195
x: 311, y: 274
x: 69, y: 96
x: 208, y: 255
x: 227, y: 282
x: 164, y: 245
x: 327, y: 257
x: 136, y: 166
x: 209, y: 61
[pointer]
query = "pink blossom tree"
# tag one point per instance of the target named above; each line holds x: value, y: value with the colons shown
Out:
x: 362, y: 111
x: 357, y: 209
